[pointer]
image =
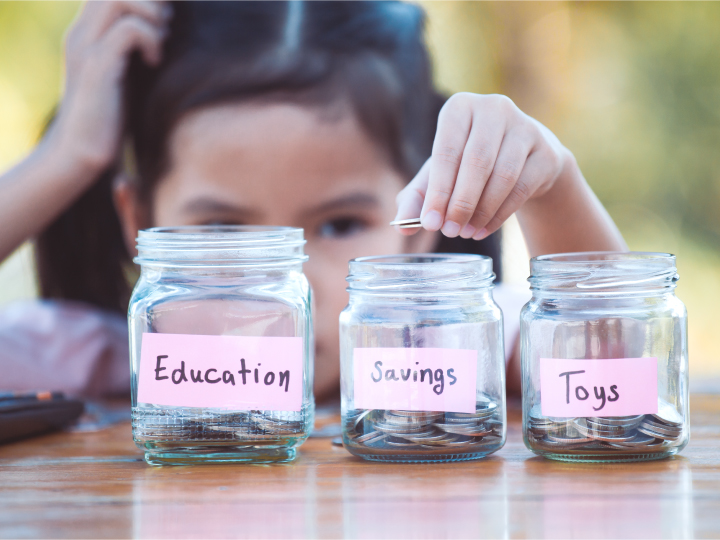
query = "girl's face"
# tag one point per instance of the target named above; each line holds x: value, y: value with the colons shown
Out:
x: 283, y: 164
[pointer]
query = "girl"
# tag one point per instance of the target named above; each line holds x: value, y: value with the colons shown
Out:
x: 314, y: 115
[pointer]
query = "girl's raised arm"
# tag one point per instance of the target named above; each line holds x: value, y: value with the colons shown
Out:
x: 85, y: 136
x: 490, y: 160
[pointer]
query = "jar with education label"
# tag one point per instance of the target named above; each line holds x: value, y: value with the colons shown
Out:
x: 604, y: 358
x: 422, y: 360
x: 221, y: 347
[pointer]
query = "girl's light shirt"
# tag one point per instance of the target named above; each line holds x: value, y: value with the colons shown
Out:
x: 63, y: 346
x: 83, y: 351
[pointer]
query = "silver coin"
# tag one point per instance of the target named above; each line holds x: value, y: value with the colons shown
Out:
x: 459, y: 443
x: 456, y: 424
x: 418, y: 431
x: 664, y: 429
x: 657, y: 435
x: 402, y: 444
x: 611, y: 427
x: 539, y: 432
x: 360, y: 417
x: 602, y: 435
x: 552, y: 444
x: 640, y: 439
x: 470, y: 432
x: 399, y: 423
x: 617, y: 420
x: 407, y: 223
x: 584, y: 424
x: 597, y: 434
x: 536, y: 414
x: 474, y: 421
x: 448, y: 440
x: 486, y: 410
x: 373, y: 435
x: 402, y: 422
x: 609, y: 430
x: 434, y: 437
x: 415, y: 414
x: 568, y: 440
x: 541, y: 425
x: 415, y: 435
x: 668, y: 413
x: 394, y: 430
x: 250, y: 437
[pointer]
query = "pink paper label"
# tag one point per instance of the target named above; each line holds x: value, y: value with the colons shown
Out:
x: 229, y: 372
x: 612, y: 387
x: 415, y: 379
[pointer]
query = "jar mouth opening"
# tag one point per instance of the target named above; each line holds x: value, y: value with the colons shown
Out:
x: 594, y: 257
x: 421, y: 273
x: 604, y: 272
x: 219, y: 245
x: 218, y: 233
x: 420, y: 259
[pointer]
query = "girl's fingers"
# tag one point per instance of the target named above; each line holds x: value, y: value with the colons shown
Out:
x: 508, y: 167
x: 487, y: 161
x: 479, y: 157
x: 130, y: 33
x: 98, y: 17
x: 410, y: 199
x: 452, y: 133
x: 533, y: 174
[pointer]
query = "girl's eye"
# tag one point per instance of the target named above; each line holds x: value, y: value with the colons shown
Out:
x: 341, y: 227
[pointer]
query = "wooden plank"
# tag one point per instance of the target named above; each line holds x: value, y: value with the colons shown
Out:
x: 96, y: 485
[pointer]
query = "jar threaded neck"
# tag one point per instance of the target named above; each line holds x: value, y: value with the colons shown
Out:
x: 206, y: 246
x: 419, y: 273
x: 603, y: 273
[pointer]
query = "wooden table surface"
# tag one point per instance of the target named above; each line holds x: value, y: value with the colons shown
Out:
x: 97, y: 485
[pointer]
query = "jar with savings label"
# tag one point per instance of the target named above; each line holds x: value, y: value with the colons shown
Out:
x: 221, y: 347
x: 604, y: 358
x: 422, y: 359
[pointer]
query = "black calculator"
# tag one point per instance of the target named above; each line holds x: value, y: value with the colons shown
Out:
x: 28, y: 414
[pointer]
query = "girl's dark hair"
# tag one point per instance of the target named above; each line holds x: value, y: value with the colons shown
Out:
x: 369, y: 55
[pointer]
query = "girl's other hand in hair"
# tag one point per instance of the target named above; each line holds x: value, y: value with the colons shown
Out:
x: 84, y: 137
x: 488, y: 159
x: 89, y: 120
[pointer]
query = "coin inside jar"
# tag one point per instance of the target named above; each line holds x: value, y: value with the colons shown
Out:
x: 424, y: 431
x: 637, y: 433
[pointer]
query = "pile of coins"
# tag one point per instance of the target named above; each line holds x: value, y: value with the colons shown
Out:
x: 256, y: 427
x: 427, y: 432
x: 643, y: 433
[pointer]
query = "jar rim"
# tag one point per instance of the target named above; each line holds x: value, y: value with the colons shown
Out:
x: 206, y: 232
x: 586, y: 257
x: 418, y: 273
x: 421, y: 259
x: 220, y: 245
x: 604, y: 273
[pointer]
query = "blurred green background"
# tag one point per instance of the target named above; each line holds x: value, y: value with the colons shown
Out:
x: 633, y: 89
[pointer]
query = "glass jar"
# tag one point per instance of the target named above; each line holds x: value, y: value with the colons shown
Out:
x: 604, y: 358
x: 221, y: 346
x: 422, y: 360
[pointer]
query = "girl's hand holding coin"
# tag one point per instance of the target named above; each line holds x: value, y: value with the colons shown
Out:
x: 490, y: 160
